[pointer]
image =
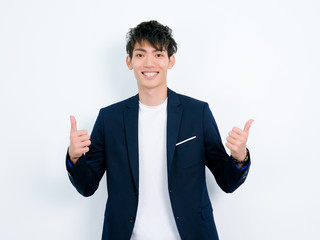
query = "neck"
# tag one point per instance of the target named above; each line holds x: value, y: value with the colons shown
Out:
x: 152, y: 97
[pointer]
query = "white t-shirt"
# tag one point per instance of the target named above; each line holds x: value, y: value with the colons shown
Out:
x: 155, y: 218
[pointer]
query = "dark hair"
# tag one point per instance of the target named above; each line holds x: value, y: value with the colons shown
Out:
x: 159, y: 36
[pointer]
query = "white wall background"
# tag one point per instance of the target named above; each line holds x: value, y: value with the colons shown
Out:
x: 248, y: 59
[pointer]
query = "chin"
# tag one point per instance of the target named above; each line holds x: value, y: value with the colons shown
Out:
x: 151, y: 85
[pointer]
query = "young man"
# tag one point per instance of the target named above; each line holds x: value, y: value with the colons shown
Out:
x: 154, y: 148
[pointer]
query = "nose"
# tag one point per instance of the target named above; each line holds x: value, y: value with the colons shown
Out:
x: 148, y: 61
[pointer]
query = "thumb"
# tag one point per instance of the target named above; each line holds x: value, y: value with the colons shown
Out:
x: 73, y: 123
x: 248, y: 125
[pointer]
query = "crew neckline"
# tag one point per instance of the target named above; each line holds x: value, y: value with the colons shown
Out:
x: 153, y: 107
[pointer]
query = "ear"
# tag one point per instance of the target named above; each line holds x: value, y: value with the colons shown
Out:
x: 172, y: 61
x: 128, y: 61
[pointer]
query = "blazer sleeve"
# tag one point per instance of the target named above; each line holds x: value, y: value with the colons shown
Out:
x: 228, y: 176
x: 87, y: 173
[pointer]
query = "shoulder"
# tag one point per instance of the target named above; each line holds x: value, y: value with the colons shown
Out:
x: 118, y: 107
x: 190, y: 102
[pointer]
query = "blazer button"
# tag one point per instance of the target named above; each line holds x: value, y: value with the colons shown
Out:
x: 131, y: 219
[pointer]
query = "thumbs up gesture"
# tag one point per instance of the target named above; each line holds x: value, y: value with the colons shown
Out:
x: 79, y: 141
x: 237, y: 141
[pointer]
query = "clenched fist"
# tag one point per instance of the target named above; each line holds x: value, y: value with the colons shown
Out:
x: 237, y: 141
x: 79, y: 141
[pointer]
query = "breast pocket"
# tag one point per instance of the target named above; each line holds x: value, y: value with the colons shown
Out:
x: 188, y: 152
x: 186, y: 141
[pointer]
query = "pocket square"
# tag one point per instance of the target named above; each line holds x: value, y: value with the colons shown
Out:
x: 188, y: 139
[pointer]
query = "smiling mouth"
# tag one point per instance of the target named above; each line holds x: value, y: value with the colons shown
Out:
x: 150, y: 74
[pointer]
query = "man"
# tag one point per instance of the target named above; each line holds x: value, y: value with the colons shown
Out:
x: 154, y: 148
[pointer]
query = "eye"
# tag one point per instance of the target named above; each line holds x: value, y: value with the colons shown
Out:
x: 159, y: 55
x: 139, y: 55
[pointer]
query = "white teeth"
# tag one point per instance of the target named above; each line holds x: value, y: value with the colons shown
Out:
x: 150, y: 74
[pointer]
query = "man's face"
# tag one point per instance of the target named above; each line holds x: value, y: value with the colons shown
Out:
x: 150, y: 66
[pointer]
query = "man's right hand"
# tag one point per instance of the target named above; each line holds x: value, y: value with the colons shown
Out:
x: 79, y: 141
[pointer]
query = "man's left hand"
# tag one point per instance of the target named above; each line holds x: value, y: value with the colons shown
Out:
x: 237, y: 141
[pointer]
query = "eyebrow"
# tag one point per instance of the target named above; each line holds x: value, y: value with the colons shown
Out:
x: 143, y: 50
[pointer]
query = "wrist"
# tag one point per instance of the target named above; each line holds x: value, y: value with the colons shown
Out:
x: 73, y: 160
x: 244, y: 160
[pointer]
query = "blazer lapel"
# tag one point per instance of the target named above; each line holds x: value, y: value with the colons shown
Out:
x: 174, y: 113
x: 131, y: 130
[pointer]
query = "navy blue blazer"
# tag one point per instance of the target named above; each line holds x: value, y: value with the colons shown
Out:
x: 114, y: 150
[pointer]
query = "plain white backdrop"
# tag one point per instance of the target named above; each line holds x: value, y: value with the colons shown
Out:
x: 247, y: 59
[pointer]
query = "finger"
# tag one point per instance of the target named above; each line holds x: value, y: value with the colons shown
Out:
x: 228, y: 145
x: 243, y: 136
x: 79, y: 133
x: 237, y: 130
x: 248, y: 125
x: 73, y: 123
x: 85, y: 144
x: 81, y: 151
x: 86, y: 149
x: 82, y: 138
x: 232, y: 141
x: 234, y: 134
x: 82, y: 132
x: 231, y: 147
